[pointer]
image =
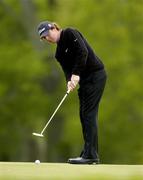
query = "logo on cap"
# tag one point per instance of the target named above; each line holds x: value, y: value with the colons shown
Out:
x: 42, y: 30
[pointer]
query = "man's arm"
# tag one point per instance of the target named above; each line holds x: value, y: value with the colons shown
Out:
x: 80, y: 51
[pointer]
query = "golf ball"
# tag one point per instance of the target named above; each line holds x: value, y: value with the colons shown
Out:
x: 37, y: 162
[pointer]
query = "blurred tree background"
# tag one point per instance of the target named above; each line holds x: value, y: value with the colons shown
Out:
x: 32, y: 82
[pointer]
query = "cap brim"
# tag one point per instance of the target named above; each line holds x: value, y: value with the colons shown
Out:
x: 46, y: 33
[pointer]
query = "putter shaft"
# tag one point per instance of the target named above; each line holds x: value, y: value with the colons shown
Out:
x: 54, y: 112
x: 41, y: 134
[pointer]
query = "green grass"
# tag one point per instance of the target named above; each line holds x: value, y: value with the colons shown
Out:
x: 63, y: 171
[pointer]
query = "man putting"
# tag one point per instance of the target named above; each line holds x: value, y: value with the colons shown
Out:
x: 81, y: 66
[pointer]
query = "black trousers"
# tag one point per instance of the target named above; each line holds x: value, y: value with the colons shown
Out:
x: 90, y: 93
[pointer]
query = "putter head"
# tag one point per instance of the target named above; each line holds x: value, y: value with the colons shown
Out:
x: 37, y: 134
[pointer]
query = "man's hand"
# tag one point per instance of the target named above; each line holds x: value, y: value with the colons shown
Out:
x: 73, y: 82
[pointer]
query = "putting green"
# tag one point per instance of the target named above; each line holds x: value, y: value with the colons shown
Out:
x: 63, y: 171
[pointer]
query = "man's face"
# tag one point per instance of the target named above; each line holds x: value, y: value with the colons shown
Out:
x: 52, y: 36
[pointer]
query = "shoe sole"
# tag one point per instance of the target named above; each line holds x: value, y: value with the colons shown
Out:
x: 84, y: 163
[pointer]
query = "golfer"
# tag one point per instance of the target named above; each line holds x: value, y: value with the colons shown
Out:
x: 81, y: 66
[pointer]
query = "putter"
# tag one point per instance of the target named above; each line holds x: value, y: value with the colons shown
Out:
x: 41, y: 133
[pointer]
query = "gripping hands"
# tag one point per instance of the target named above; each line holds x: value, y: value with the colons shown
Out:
x: 73, y: 82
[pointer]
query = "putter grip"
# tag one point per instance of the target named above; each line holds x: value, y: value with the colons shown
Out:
x: 68, y: 91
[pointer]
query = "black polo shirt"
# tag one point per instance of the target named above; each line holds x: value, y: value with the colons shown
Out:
x: 75, y: 55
